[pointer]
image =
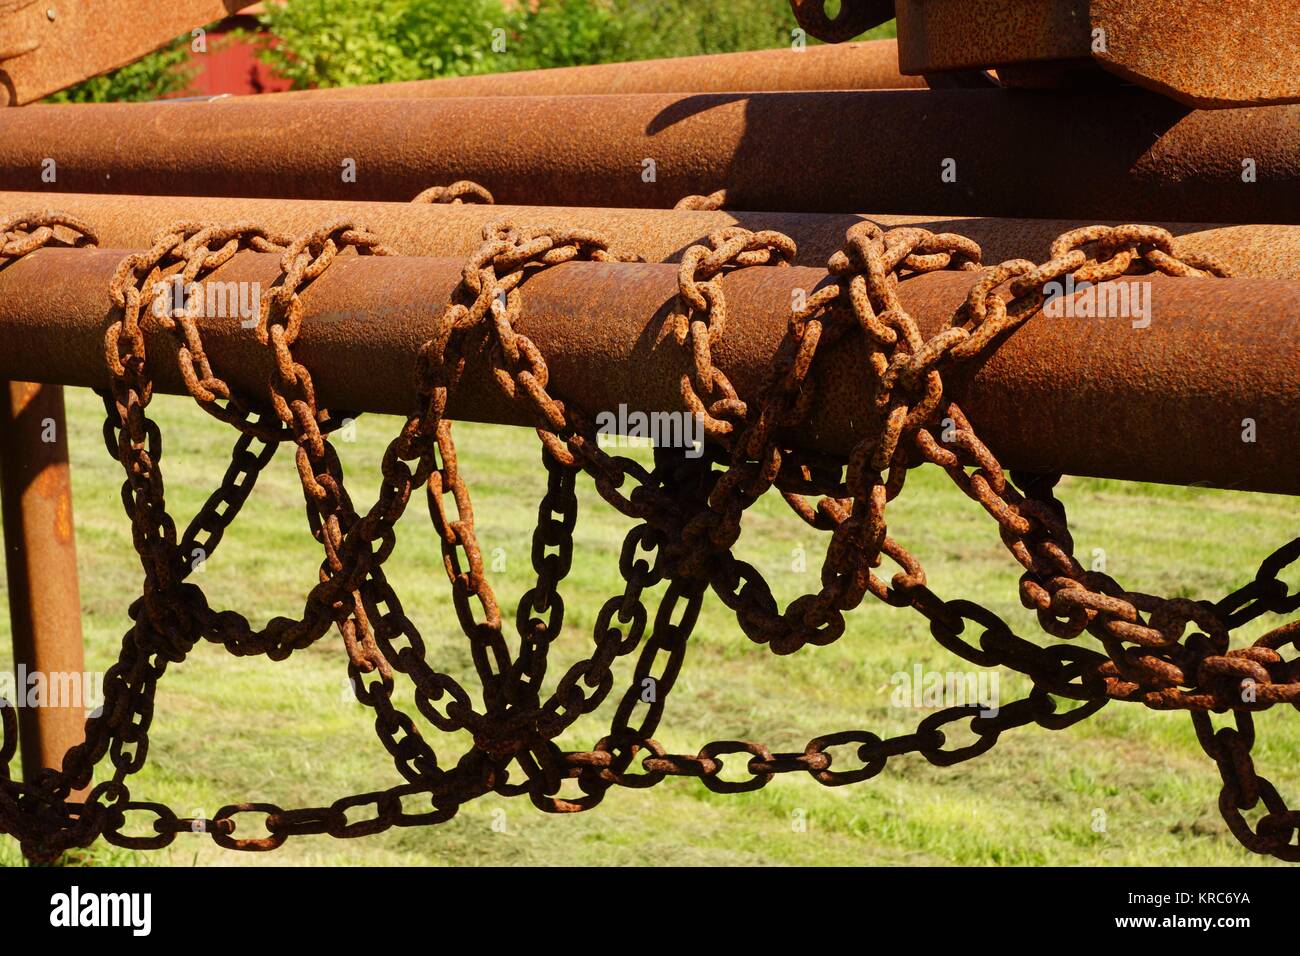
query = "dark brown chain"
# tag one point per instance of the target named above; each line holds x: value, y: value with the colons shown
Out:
x: 34, y: 811
x: 1244, y: 790
x: 688, y: 513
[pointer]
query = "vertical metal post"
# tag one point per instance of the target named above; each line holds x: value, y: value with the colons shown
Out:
x: 41, y: 566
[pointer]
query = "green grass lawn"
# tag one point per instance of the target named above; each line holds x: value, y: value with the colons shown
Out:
x: 228, y: 730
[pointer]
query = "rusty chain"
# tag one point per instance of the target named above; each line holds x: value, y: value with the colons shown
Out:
x: 713, y: 202
x: 460, y: 192
x: 688, y: 515
x: 26, y: 232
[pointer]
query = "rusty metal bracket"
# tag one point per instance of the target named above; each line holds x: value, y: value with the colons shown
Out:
x: 854, y: 17
x: 1205, y: 55
x: 48, y: 45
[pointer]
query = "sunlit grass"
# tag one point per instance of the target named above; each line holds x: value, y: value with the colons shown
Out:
x: 232, y: 729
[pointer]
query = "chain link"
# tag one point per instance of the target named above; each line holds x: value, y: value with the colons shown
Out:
x: 713, y: 202
x: 687, y: 513
x: 459, y: 192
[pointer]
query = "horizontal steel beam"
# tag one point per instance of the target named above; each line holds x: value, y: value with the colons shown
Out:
x: 869, y: 65
x: 1167, y: 403
x: 657, y: 235
x: 1121, y: 155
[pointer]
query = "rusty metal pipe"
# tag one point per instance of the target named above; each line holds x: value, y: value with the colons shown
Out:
x: 868, y: 65
x: 656, y: 235
x: 1119, y: 155
x: 41, y: 567
x: 1165, y: 403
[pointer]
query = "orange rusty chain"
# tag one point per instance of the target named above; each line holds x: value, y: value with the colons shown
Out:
x: 461, y: 191
x: 688, y: 516
x: 711, y: 203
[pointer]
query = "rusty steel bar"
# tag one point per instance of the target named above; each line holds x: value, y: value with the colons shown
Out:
x: 1120, y: 155
x: 1164, y: 403
x: 41, y: 567
x: 656, y: 235
x: 1205, y: 56
x: 869, y: 65
x: 46, y: 46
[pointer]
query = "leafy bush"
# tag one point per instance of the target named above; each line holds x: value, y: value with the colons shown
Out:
x: 566, y: 33
x: 346, y: 42
x: 664, y: 28
x: 351, y: 42
x: 150, y: 78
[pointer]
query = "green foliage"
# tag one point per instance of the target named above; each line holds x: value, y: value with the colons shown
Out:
x: 349, y: 42
x: 567, y: 33
x: 352, y: 42
x: 572, y: 32
x: 149, y: 78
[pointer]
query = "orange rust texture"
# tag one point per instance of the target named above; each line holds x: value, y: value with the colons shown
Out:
x: 1056, y: 395
x: 657, y: 235
x: 1196, y: 52
x: 1120, y: 154
x: 867, y: 65
x: 1206, y: 56
x: 40, y: 561
x: 942, y: 35
x: 41, y: 53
